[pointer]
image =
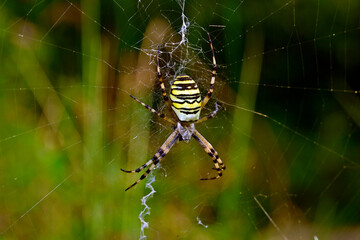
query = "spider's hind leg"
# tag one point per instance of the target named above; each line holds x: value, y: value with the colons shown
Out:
x: 164, y: 149
x: 219, y: 165
x: 140, y: 168
x: 144, y: 175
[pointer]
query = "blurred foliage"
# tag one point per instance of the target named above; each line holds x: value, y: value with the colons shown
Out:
x: 288, y: 128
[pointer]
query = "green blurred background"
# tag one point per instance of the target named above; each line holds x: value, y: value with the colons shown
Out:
x: 287, y: 129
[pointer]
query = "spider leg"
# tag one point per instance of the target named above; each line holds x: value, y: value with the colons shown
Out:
x: 153, y: 110
x: 159, y: 77
x: 164, y: 149
x: 213, y: 75
x: 209, y: 116
x: 143, y: 166
x: 219, y: 165
x: 158, y: 154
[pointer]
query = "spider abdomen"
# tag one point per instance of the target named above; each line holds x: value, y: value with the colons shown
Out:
x: 185, y: 98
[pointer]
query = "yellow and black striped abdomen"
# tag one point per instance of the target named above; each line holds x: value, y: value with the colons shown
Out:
x: 185, y: 98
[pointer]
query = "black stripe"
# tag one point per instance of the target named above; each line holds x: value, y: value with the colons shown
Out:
x: 186, y: 109
x: 173, y: 141
x: 184, y: 95
x: 189, y: 97
x: 182, y: 102
x: 185, y: 85
x: 196, y: 137
x: 189, y: 112
x: 181, y: 87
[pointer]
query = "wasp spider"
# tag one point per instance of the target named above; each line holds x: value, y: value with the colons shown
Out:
x: 185, y: 105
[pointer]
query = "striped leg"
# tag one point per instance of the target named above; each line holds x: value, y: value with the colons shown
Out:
x: 209, y: 116
x: 159, y: 77
x: 213, y: 75
x: 219, y: 165
x: 153, y: 110
x: 164, y: 149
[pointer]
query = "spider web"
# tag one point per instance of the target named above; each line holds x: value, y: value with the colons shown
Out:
x: 287, y: 128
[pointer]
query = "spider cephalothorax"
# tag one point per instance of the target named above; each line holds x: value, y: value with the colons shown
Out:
x: 185, y: 131
x: 185, y: 104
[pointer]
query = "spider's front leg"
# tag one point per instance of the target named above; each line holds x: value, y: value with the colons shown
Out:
x: 164, y: 149
x: 213, y: 76
x: 153, y: 110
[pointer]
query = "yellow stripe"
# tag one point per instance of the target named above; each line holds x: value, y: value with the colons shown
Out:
x: 176, y: 82
x: 180, y: 100
x: 186, y: 105
x: 183, y: 76
x: 185, y: 91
